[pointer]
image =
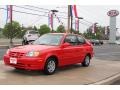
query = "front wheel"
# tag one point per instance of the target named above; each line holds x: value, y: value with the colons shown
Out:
x: 86, y: 61
x: 50, y: 66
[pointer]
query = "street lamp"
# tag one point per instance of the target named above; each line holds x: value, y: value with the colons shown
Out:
x: 53, y: 12
x: 80, y: 17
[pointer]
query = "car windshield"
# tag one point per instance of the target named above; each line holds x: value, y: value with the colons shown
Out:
x: 49, y: 39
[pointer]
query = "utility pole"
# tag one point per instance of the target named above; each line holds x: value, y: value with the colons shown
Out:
x: 11, y: 42
x: 71, y: 17
x: 71, y: 24
x: 68, y: 30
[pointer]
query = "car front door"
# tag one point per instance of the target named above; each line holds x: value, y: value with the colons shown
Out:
x: 70, y: 53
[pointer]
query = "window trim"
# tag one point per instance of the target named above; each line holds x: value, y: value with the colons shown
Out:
x: 82, y: 38
x: 72, y: 35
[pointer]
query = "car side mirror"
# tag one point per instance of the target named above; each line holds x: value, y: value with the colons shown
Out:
x: 64, y: 45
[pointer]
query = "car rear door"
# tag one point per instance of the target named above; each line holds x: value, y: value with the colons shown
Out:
x: 82, y: 47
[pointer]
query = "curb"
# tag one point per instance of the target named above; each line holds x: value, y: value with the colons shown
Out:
x: 1, y: 61
x: 108, y: 81
x: 4, y: 46
x: 7, y: 46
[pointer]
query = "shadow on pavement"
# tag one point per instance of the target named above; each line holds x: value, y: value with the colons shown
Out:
x: 38, y: 73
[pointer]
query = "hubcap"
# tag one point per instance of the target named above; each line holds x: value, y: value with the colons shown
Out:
x: 87, y: 60
x: 51, y: 66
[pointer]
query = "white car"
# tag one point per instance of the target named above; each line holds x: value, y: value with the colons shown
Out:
x: 30, y: 36
x: 117, y: 42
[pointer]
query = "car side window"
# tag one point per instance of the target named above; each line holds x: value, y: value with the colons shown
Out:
x: 72, y: 39
x: 81, y: 40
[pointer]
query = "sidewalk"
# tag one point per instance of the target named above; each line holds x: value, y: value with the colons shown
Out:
x: 4, y: 43
x: 99, y: 72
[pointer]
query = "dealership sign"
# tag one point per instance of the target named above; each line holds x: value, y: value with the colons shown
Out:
x: 113, y: 13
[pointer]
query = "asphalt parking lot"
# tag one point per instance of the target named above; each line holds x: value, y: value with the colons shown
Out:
x: 107, y: 52
x: 70, y: 75
x: 2, y: 52
x: 105, y: 64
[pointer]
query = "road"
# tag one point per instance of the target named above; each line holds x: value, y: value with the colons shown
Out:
x: 2, y: 51
x: 107, y: 52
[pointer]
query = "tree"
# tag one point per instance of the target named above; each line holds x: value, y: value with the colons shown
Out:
x: 75, y: 32
x: 44, y: 29
x: 35, y: 28
x: 12, y: 31
x: 22, y: 33
x: 99, y: 33
x: 60, y: 29
x: 29, y: 28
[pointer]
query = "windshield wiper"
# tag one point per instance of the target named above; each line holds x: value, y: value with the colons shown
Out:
x: 42, y: 44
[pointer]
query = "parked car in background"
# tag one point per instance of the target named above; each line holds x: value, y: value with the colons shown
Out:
x: 101, y: 42
x: 117, y: 42
x: 30, y: 36
x: 49, y: 52
x: 96, y: 42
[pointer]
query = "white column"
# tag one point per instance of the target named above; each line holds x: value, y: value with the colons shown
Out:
x: 112, y: 36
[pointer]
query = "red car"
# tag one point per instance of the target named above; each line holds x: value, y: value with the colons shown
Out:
x: 49, y: 52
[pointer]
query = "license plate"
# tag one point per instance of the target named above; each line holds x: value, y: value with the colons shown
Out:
x: 13, y: 60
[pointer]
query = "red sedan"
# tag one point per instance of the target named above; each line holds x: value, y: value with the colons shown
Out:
x: 49, y: 52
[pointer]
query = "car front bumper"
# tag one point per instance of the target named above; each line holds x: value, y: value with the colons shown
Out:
x: 27, y: 63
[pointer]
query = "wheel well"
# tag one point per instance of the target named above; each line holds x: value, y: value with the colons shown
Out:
x: 56, y: 59
x: 88, y: 54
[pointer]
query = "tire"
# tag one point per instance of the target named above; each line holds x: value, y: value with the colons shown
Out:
x: 50, y: 66
x: 18, y: 69
x: 86, y: 61
x: 23, y: 42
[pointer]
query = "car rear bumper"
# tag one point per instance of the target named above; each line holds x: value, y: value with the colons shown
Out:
x: 26, y: 63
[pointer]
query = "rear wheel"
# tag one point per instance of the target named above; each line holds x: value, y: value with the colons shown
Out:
x: 50, y: 66
x: 86, y: 61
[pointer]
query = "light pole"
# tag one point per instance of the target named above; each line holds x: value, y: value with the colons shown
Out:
x: 68, y: 31
x: 52, y: 16
x: 11, y: 36
x: 78, y: 21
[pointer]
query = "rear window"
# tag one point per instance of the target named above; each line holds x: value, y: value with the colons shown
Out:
x: 33, y: 32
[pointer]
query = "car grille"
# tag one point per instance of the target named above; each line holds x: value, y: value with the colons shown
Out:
x: 16, y: 54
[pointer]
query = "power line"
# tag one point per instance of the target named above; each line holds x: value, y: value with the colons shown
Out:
x: 31, y: 14
x: 42, y: 8
x: 39, y: 14
x: 25, y: 12
x: 83, y: 24
x: 30, y: 9
x: 45, y: 12
x: 48, y: 12
x: 87, y: 21
x: 37, y: 7
x: 89, y: 14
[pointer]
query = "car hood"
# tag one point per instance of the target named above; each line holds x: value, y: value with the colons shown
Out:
x: 27, y: 48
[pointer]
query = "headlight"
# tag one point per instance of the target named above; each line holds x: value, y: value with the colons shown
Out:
x: 33, y: 53
x: 8, y: 51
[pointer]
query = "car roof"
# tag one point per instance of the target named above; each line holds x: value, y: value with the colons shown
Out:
x: 65, y: 34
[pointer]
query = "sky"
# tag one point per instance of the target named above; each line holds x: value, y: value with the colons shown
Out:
x: 90, y: 13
